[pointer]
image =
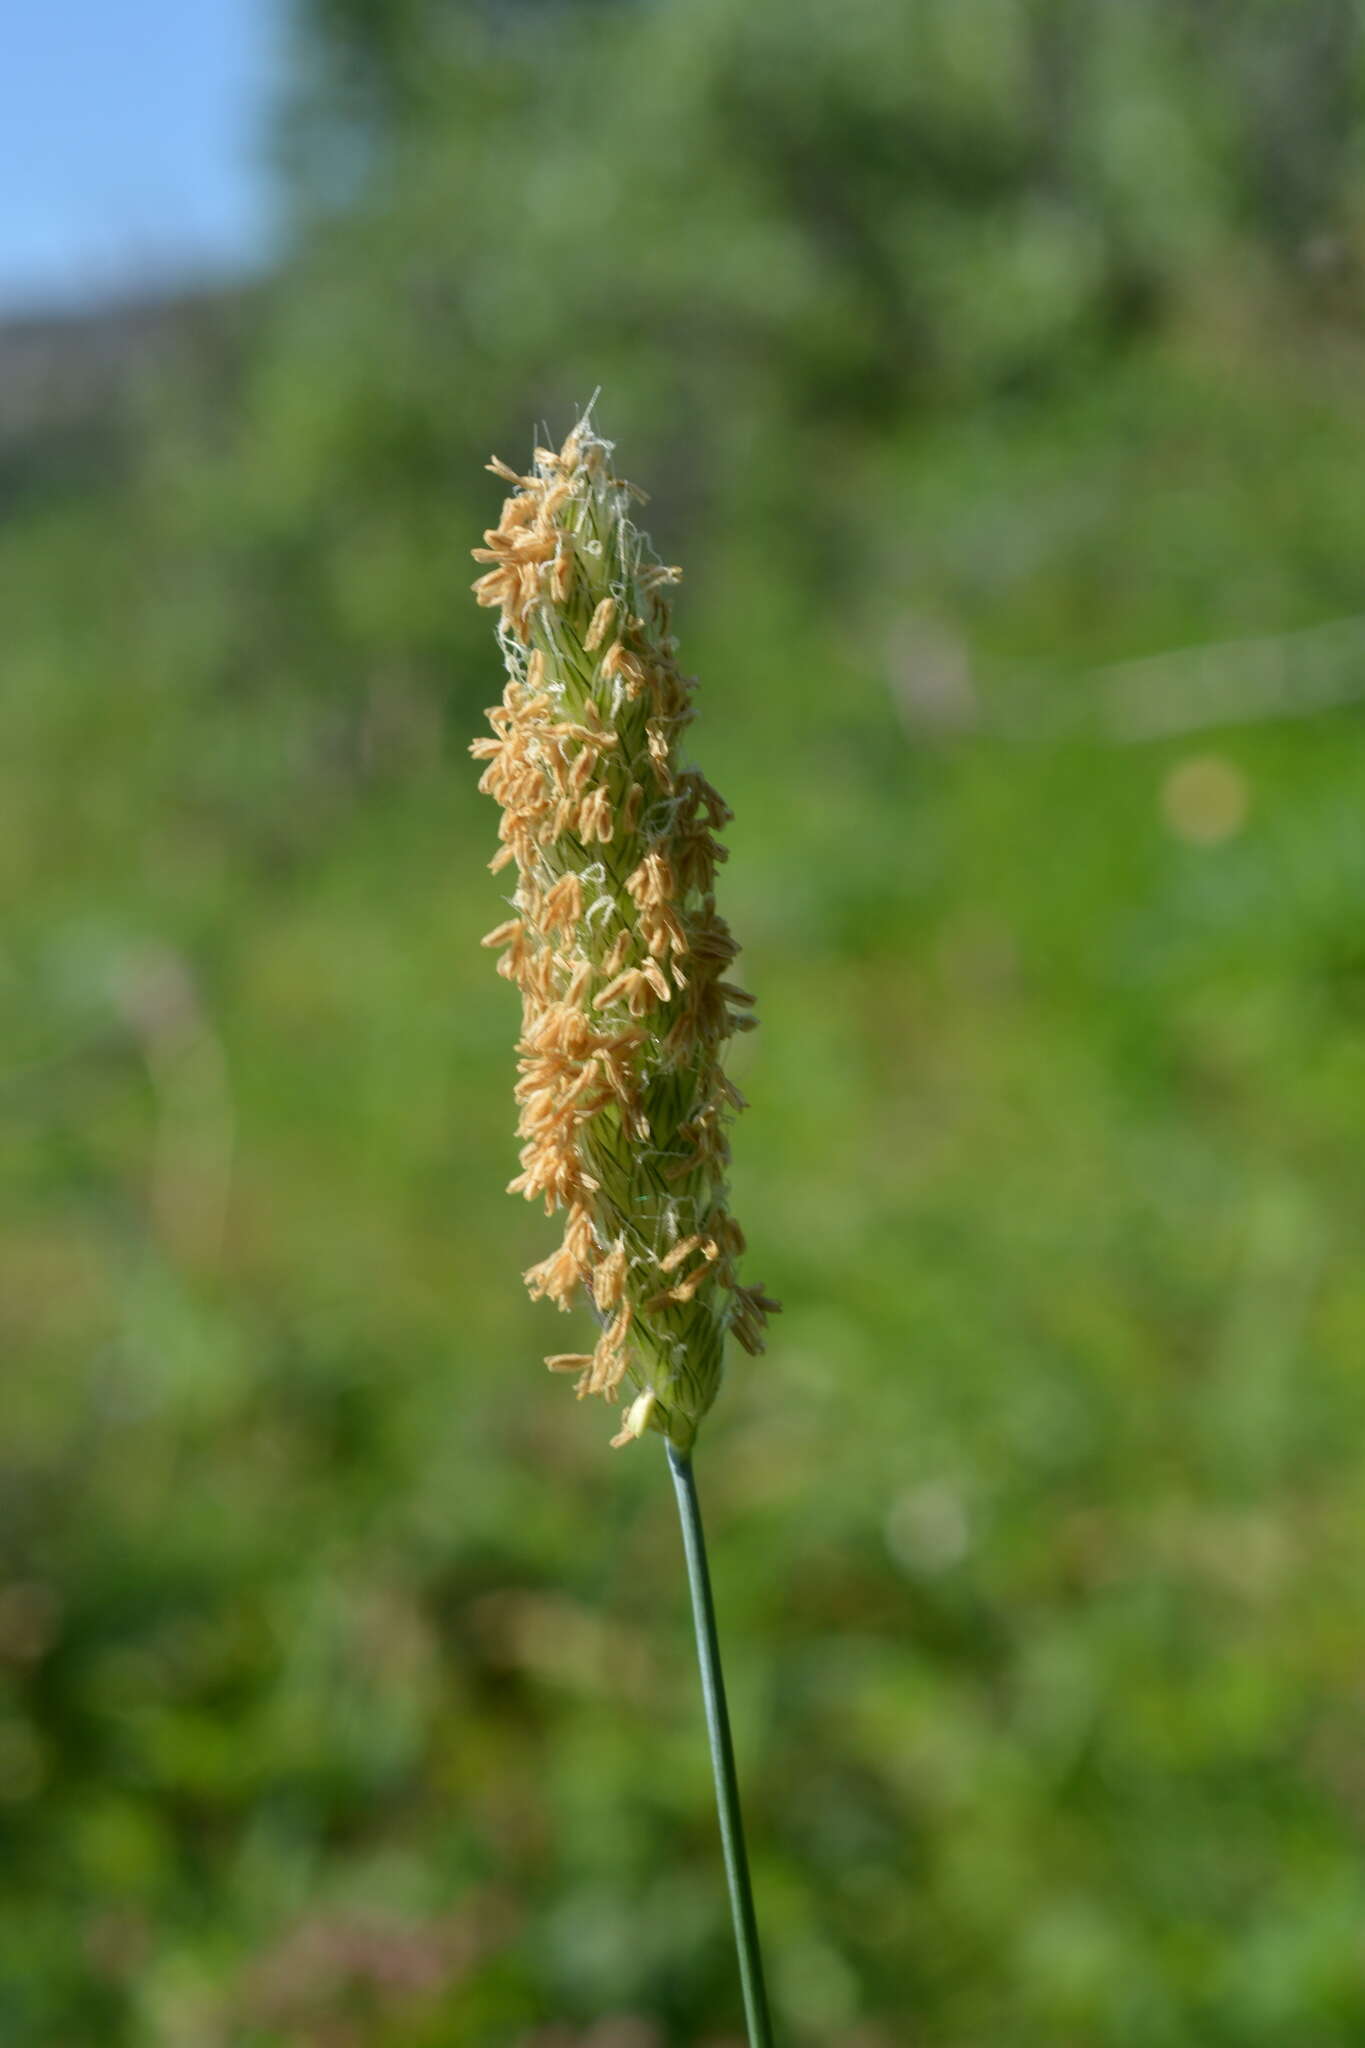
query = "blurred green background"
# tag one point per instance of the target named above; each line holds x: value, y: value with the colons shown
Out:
x: 995, y: 367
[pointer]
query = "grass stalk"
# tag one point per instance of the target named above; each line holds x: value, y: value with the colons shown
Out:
x: 722, y: 1752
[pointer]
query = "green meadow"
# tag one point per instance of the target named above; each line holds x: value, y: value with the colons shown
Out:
x: 1000, y: 390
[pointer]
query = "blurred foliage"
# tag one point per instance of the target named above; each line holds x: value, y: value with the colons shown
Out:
x: 345, y: 1685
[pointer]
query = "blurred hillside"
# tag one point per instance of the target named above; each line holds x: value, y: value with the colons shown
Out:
x: 996, y: 372
x: 79, y: 387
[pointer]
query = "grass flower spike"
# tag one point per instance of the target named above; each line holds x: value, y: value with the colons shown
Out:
x: 623, y: 963
x: 615, y: 942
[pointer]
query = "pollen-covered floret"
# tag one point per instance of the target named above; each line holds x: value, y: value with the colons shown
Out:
x: 615, y: 942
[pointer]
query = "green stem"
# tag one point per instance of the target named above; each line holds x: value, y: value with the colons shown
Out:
x: 722, y: 1753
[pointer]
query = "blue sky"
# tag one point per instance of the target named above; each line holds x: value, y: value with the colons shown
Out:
x: 130, y: 142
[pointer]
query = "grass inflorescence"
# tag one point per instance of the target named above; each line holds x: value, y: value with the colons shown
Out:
x: 622, y: 958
